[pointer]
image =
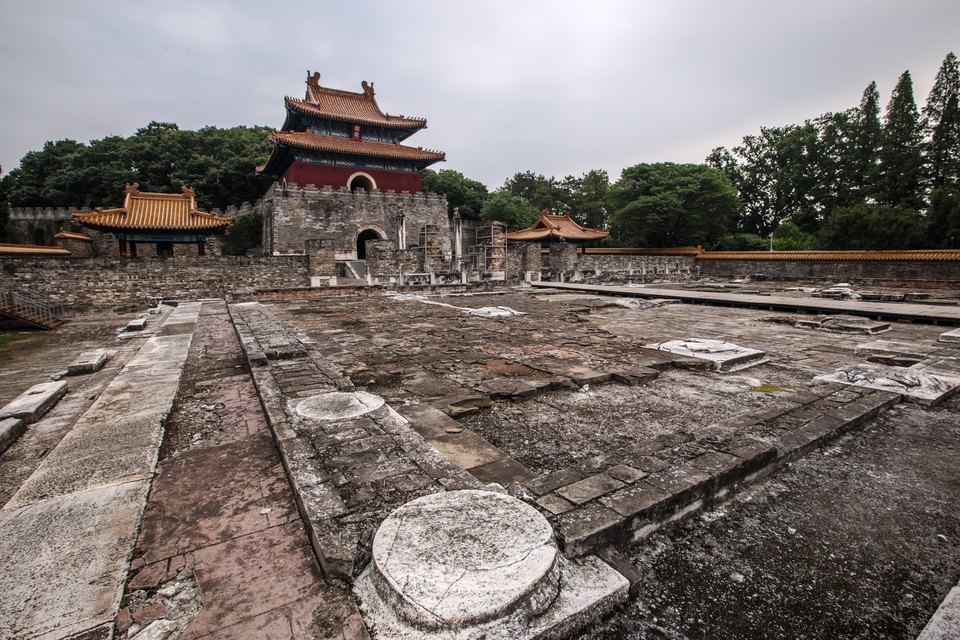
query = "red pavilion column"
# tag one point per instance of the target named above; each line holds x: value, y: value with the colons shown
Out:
x: 201, y: 248
x: 123, y: 246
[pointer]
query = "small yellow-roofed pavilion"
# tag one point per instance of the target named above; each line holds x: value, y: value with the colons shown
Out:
x: 555, y: 228
x: 161, y: 218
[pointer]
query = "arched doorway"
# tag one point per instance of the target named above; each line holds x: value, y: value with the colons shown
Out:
x: 366, y: 234
x: 361, y: 182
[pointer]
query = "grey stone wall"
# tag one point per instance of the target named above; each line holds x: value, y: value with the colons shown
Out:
x: 918, y: 273
x: 385, y: 262
x: 108, y: 282
x: 293, y: 215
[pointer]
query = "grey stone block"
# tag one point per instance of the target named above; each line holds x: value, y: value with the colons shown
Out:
x: 10, y: 430
x: 87, y: 362
x: 33, y: 403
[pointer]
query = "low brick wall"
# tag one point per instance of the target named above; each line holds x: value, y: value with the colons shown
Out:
x: 927, y: 274
x: 80, y: 282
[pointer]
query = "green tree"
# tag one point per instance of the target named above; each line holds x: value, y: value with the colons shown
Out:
x: 866, y: 140
x: 901, y: 150
x: 30, y: 181
x: 514, y: 211
x: 789, y: 237
x: 671, y: 205
x: 742, y: 242
x: 944, y: 216
x: 217, y: 163
x: 941, y: 123
x: 5, y: 183
x: 774, y: 175
x: 462, y: 193
x: 545, y: 194
x: 585, y: 198
x: 244, y: 236
x: 873, y: 227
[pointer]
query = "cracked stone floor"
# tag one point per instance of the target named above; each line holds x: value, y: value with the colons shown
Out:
x: 857, y: 540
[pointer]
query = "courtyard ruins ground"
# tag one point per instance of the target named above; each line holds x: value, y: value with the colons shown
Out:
x: 812, y: 509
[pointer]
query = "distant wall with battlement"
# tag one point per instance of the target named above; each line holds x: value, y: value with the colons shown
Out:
x: 294, y: 214
x: 99, y: 282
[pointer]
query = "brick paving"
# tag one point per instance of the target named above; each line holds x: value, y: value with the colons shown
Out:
x: 222, y: 552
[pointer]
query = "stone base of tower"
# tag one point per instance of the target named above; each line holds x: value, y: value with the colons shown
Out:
x: 292, y: 215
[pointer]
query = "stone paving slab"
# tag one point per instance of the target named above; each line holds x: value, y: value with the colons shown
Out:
x: 945, y: 623
x: 87, y: 362
x: 33, y: 403
x: 10, y: 430
x: 64, y: 560
x: 906, y: 311
x: 117, y: 439
x: 221, y: 516
x: 950, y: 336
x: 82, y: 505
x: 914, y: 385
x: 211, y: 495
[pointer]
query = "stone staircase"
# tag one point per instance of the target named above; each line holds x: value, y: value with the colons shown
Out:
x: 18, y: 308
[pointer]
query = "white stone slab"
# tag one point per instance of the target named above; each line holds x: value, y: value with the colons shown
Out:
x: 337, y: 405
x: 950, y: 336
x: 478, y: 564
x: 135, y: 325
x: 64, y: 561
x: 913, y: 384
x: 843, y: 324
x: 30, y: 405
x: 891, y: 348
x: 87, y: 362
x: 725, y: 356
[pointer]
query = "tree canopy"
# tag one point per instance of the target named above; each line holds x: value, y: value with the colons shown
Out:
x: 672, y: 205
x: 902, y: 171
x: 462, y: 193
x: 218, y: 163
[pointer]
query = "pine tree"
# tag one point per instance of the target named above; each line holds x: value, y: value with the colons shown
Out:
x: 941, y: 122
x: 901, y: 150
x: 947, y: 84
x: 866, y: 143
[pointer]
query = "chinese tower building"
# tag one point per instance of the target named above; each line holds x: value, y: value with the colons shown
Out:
x: 343, y: 139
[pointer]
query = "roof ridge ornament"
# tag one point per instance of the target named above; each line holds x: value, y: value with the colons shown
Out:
x: 367, y: 88
x: 313, y: 86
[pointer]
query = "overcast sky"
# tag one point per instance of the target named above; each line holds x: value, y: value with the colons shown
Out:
x: 555, y: 87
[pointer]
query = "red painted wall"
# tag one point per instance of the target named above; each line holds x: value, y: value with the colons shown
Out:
x: 320, y: 175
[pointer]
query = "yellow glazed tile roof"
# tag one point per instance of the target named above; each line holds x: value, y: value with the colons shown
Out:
x: 549, y: 226
x: 319, y: 142
x: 153, y: 211
x: 69, y: 235
x: 31, y: 250
x: 348, y: 106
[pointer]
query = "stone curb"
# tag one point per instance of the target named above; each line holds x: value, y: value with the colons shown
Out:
x: 659, y: 490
